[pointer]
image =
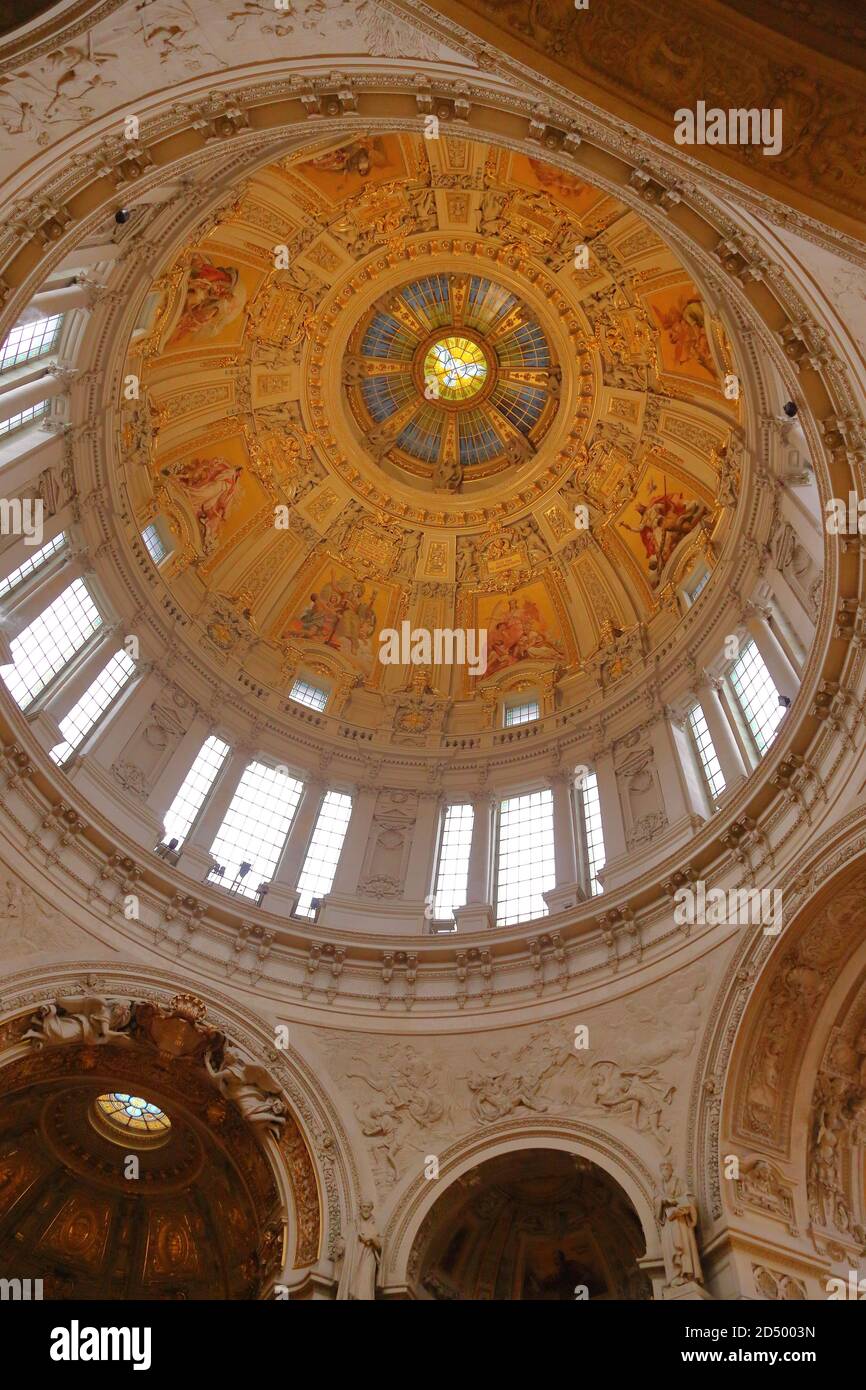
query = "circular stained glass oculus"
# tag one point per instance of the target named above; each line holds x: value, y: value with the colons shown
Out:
x: 455, y: 369
x: 131, y: 1119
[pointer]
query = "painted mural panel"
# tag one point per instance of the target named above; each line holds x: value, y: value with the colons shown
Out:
x: 520, y: 627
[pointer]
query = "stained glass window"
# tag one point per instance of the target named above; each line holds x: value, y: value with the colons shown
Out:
x: 456, y: 368
x: 132, y: 1115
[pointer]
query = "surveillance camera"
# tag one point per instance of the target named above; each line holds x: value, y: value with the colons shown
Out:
x: 122, y: 215
x: 790, y: 409
x: 785, y: 701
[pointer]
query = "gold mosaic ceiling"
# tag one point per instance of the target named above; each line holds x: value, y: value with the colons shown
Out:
x: 397, y: 345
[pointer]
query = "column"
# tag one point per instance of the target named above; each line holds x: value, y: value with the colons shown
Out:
x: 355, y: 844
x: 23, y: 605
x: 782, y: 673
x: 478, y: 914
x: 171, y: 779
x: 567, y: 892
x: 283, y: 894
x: 612, y: 824
x: 81, y: 673
x: 797, y: 618
x: 23, y: 457
x: 43, y: 388
x: 683, y: 796
x: 419, y: 870
x: 195, y: 858
x: 730, y: 758
x: 60, y: 299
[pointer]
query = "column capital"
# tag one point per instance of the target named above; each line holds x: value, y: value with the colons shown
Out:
x: 709, y: 680
x: 755, y: 609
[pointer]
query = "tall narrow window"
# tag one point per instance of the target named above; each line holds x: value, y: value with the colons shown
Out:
x: 251, y: 838
x: 93, y: 703
x: 525, y: 867
x: 323, y: 854
x: 29, y: 340
x: 757, y: 696
x: 156, y: 547
x: 32, y: 564
x: 452, y: 870
x: 194, y: 788
x: 590, y: 806
x: 50, y: 642
x: 706, y: 752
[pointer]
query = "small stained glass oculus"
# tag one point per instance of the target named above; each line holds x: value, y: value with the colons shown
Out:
x: 131, y: 1119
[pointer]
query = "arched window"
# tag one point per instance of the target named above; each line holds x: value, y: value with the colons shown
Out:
x: 593, y: 832
x: 706, y: 752
x: 323, y: 855
x: 93, y: 704
x: 31, y: 565
x: 29, y: 340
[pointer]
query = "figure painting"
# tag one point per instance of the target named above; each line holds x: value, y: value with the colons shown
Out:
x: 341, y: 612
x: 214, y: 297
x: 520, y: 627
x: 685, y: 344
x: 658, y: 517
x: 553, y: 1271
x: 541, y: 177
x: 350, y: 168
x: 212, y: 487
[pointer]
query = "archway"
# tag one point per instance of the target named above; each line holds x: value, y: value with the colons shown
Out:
x: 531, y: 1225
x: 124, y: 1176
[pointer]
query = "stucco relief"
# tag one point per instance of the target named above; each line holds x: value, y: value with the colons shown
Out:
x: 410, y: 1097
x: 625, y: 44
x: 800, y: 982
x: 27, y: 924
x: 150, y: 45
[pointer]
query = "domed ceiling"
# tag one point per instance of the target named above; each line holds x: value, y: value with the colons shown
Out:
x: 190, y: 1222
x: 537, y: 1225
x: 435, y: 380
x: 451, y: 380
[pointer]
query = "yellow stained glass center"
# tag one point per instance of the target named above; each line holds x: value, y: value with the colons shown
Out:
x: 455, y: 369
x: 134, y: 1115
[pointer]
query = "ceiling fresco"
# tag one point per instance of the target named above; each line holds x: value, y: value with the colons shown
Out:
x: 438, y: 381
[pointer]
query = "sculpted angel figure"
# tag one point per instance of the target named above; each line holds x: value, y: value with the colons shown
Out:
x: 80, y: 1019
x: 252, y: 1089
x: 637, y: 1095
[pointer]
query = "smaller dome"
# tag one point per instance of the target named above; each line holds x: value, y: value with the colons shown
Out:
x: 132, y: 1118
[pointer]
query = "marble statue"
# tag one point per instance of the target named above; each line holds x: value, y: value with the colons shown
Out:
x: 360, y: 1254
x: 79, y: 1019
x: 252, y: 1089
x: 677, y: 1215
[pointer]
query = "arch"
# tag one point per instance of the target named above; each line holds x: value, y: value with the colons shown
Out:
x: 757, y: 1089
x: 309, y: 1157
x: 567, y: 1136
